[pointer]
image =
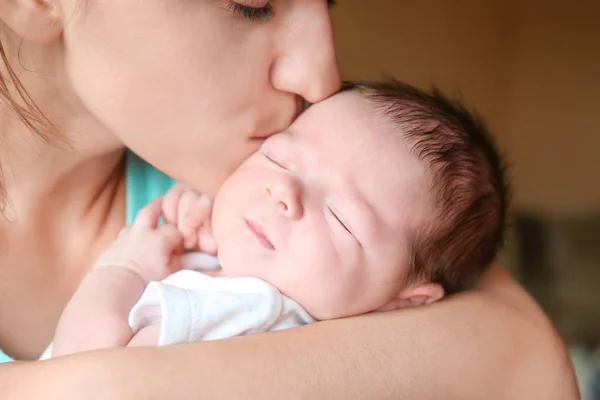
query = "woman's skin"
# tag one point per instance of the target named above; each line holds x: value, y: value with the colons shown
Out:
x: 189, y: 85
x: 192, y: 86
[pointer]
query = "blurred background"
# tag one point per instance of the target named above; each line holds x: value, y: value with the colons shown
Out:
x: 532, y: 69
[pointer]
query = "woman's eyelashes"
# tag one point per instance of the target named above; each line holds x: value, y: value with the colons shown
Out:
x: 260, y: 13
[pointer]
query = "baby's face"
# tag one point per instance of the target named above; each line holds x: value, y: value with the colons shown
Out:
x: 321, y: 211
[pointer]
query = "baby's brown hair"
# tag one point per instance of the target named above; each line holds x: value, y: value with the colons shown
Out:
x: 468, y: 182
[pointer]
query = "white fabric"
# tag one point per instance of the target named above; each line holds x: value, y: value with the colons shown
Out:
x: 47, y: 353
x: 197, y: 260
x: 193, y: 307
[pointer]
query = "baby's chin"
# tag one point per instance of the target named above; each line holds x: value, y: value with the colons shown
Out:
x: 236, y: 264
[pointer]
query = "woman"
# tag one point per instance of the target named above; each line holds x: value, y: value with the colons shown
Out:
x: 192, y: 87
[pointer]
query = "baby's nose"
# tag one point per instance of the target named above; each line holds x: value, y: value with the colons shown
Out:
x: 286, y: 195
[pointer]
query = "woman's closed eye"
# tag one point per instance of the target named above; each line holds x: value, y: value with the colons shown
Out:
x: 252, y: 10
x: 258, y: 10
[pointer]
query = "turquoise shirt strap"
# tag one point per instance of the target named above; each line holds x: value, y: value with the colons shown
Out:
x: 4, y: 357
x: 144, y: 183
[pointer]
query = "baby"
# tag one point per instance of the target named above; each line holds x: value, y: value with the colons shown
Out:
x: 379, y: 198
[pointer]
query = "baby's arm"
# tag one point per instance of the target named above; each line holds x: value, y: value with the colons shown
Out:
x: 97, y: 315
x: 147, y: 336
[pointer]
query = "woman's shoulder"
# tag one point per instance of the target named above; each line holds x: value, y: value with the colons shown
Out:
x: 144, y: 183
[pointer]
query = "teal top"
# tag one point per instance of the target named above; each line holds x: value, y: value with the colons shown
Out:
x: 144, y: 183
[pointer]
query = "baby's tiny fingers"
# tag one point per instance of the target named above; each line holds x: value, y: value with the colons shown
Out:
x: 171, y: 202
x: 208, y: 244
x: 171, y: 236
x: 148, y: 216
x: 192, y: 215
x: 197, y: 213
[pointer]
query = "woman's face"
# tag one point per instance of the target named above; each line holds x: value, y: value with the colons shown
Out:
x: 193, y: 86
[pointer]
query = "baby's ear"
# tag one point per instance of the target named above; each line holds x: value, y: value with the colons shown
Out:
x: 416, y: 294
x: 34, y: 20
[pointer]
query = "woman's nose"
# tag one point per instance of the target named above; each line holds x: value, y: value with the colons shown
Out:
x: 286, y: 195
x: 307, y: 65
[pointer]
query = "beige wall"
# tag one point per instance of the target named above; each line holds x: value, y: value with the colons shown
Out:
x: 554, y: 117
x: 532, y: 68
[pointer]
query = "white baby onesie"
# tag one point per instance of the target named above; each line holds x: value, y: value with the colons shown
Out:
x: 192, y: 307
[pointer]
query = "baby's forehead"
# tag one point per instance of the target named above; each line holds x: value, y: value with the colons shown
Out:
x: 352, y: 124
x: 380, y: 153
x: 350, y: 112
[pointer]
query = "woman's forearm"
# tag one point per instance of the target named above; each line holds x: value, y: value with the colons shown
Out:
x: 492, y: 343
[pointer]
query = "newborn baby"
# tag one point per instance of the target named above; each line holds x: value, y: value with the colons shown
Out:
x: 378, y: 198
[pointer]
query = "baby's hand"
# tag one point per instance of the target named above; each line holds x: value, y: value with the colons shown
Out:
x: 191, y: 212
x: 146, y: 248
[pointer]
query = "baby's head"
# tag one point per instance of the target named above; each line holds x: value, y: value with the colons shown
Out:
x: 380, y: 197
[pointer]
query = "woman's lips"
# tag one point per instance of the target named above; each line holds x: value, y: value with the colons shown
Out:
x: 260, y: 235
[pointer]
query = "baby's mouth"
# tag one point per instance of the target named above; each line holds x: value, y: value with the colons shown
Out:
x: 259, y: 233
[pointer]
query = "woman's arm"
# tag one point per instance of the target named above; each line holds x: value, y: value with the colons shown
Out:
x: 491, y: 343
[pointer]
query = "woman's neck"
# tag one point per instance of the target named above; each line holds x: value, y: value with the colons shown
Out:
x: 64, y: 207
x: 65, y: 198
x: 65, y: 203
x: 42, y: 177
x: 65, y: 182
x: 55, y: 181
